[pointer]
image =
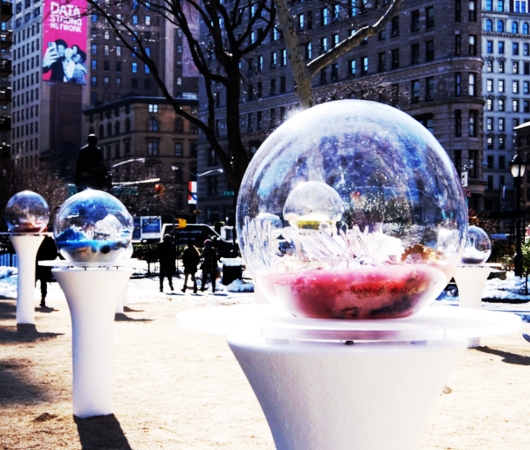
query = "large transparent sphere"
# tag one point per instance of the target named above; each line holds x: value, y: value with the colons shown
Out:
x: 351, y: 210
x: 27, y: 212
x: 478, y: 246
x: 93, y: 226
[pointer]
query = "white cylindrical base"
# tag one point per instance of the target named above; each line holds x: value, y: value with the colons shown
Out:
x: 92, y: 295
x: 26, y: 247
x: 374, y: 396
x: 471, y: 281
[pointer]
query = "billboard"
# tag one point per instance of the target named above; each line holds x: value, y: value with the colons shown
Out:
x: 64, y: 41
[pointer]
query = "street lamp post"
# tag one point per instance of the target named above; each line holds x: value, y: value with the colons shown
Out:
x: 518, y: 169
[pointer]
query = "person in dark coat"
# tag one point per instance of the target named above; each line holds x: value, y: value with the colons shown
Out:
x: 190, y: 259
x: 91, y: 171
x: 167, y: 256
x: 47, y: 252
x: 209, y: 265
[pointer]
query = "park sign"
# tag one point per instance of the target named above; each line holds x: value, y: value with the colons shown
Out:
x: 147, y: 228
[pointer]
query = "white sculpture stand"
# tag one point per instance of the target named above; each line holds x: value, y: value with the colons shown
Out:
x: 26, y: 246
x: 318, y: 392
x: 92, y: 291
x: 471, y: 279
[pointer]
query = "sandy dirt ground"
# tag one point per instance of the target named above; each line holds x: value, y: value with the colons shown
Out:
x: 178, y: 389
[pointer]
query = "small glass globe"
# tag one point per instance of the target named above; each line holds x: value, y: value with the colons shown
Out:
x: 351, y: 210
x: 93, y: 226
x: 478, y: 246
x: 27, y: 212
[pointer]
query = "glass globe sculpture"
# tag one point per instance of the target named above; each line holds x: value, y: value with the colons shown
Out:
x: 27, y: 212
x: 351, y: 210
x: 477, y: 249
x: 93, y: 226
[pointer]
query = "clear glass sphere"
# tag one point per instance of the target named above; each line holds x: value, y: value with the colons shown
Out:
x: 478, y: 246
x: 93, y: 226
x: 351, y: 210
x: 27, y: 212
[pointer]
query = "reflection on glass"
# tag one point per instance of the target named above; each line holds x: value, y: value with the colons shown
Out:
x: 27, y: 212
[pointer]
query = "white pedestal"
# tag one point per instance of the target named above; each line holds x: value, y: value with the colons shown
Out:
x: 317, y: 392
x: 471, y: 280
x: 26, y: 246
x: 332, y: 396
x: 92, y: 295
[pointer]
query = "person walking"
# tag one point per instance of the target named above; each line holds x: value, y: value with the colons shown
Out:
x: 166, y: 256
x: 47, y: 252
x: 209, y: 265
x: 190, y: 260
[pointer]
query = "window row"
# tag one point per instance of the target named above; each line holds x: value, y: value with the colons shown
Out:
x: 28, y: 64
x: 134, y: 19
x: 29, y: 96
x: 25, y: 130
x: 256, y: 91
x: 499, y: 140
x: 517, y: 105
x: 25, y: 113
x: 517, y: 6
x: 501, y: 67
x: 516, y: 86
x: 500, y: 26
x: 26, y: 49
x: 28, y: 32
x: 152, y: 125
x: 27, y: 81
x: 28, y: 145
x: 517, y: 48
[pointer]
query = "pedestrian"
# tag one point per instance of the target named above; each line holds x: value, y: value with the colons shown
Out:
x: 190, y: 259
x: 47, y: 252
x: 166, y: 256
x: 209, y: 265
x: 91, y: 171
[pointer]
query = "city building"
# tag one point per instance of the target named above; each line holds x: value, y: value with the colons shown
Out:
x: 427, y: 62
x: 506, y: 90
x: 6, y: 42
x: 151, y: 151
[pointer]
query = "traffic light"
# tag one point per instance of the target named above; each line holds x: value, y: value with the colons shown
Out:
x: 160, y: 189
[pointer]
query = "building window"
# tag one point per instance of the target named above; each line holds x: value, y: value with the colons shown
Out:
x: 364, y: 65
x: 515, y: 48
x: 472, y: 45
x: 394, y: 29
x: 501, y: 124
x: 489, y: 46
x: 471, y: 88
x: 501, y: 66
x: 488, y: 26
x: 501, y: 47
x: 473, y: 116
x: 515, y: 105
x: 351, y: 68
x: 500, y: 85
x: 415, y: 20
x: 106, y: 82
x: 500, y: 104
x: 212, y: 186
x: 334, y: 72
x: 152, y: 148
x: 283, y: 85
x: 134, y: 67
x: 152, y: 124
x: 515, y: 87
x: 489, y: 85
x: 500, y: 26
x: 94, y: 64
x: 515, y: 27
x: 94, y: 81
x: 429, y: 17
x: 395, y: 58
x: 429, y: 48
x: 472, y: 10
x: 382, y: 61
x: 489, y: 124
x: 308, y: 50
x: 152, y: 108
x: 415, y: 91
x: 429, y: 88
x: 179, y: 149
x: 526, y: 87
x: 458, y: 10
x: 324, y: 16
x: 458, y: 44
x: 458, y: 84
x: 94, y: 49
x: 515, y: 67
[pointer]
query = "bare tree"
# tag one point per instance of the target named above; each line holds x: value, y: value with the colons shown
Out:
x: 304, y: 71
x: 235, y: 29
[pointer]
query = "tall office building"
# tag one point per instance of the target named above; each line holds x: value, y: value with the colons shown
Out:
x: 6, y: 42
x: 426, y: 61
x: 506, y: 89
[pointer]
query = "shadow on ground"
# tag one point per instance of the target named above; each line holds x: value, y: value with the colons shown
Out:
x: 509, y: 358
x: 101, y: 432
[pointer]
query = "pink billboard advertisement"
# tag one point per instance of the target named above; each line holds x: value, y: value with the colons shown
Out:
x: 65, y: 40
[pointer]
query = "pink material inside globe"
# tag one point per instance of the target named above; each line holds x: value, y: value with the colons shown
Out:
x: 362, y: 293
